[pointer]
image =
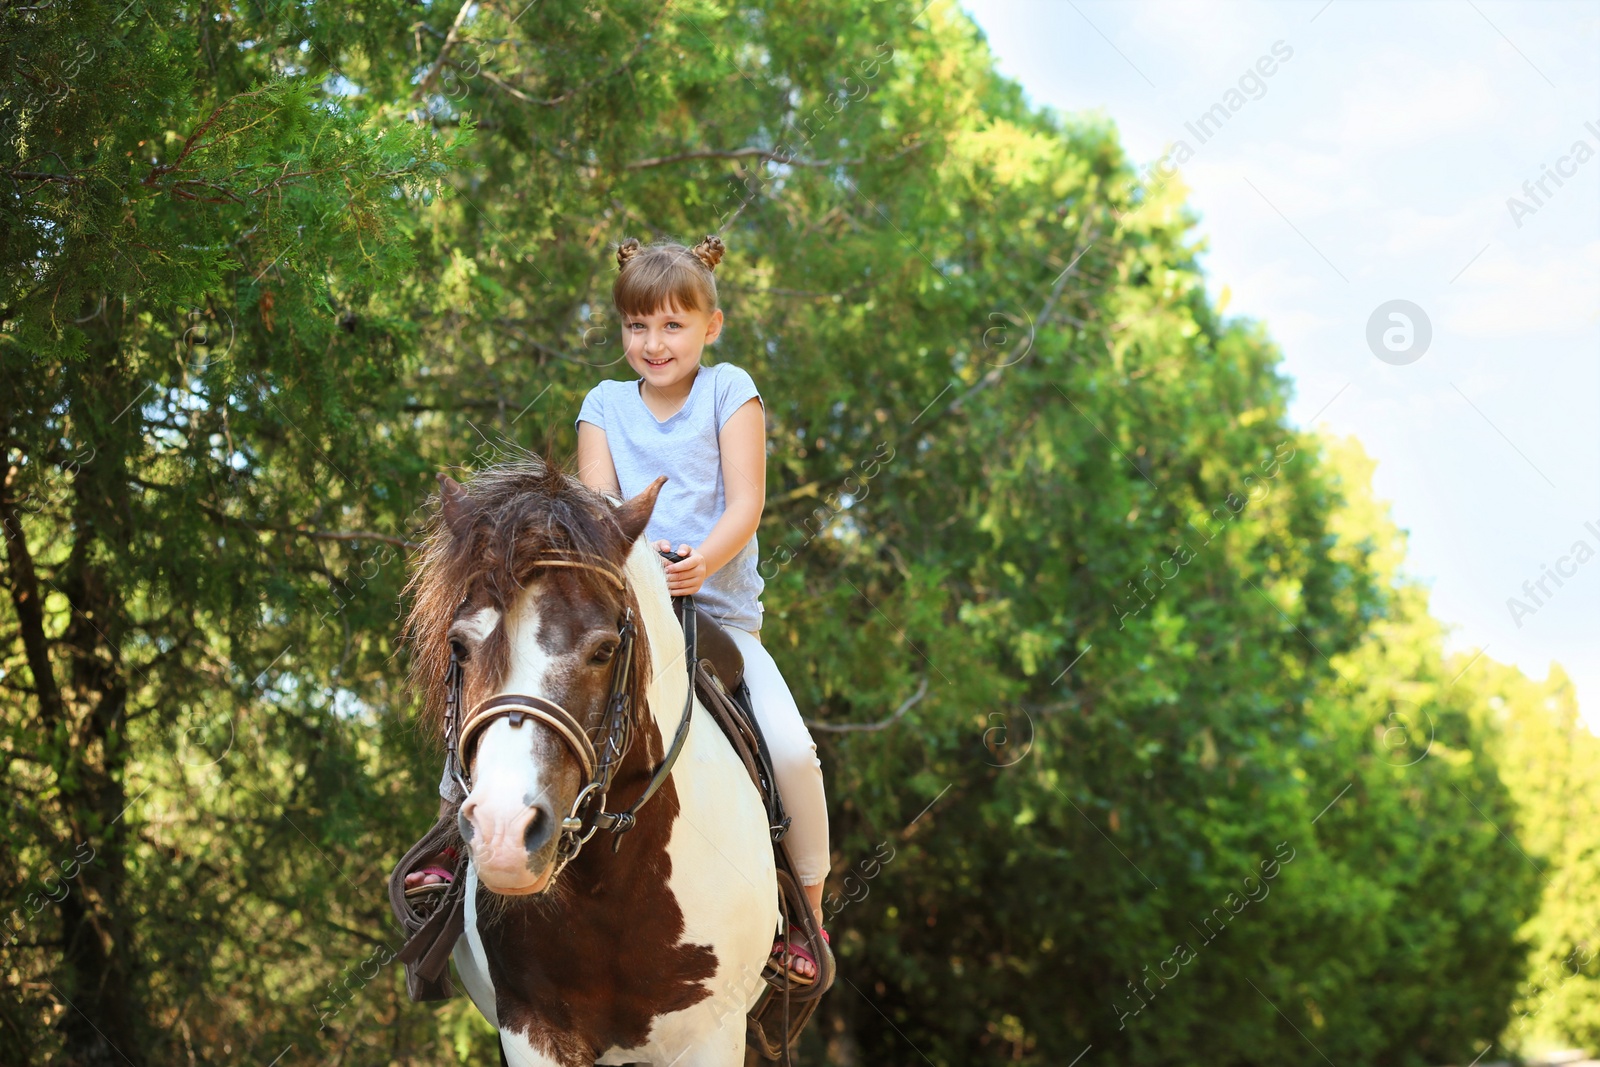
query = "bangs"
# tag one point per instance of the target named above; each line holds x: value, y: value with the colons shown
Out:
x: 664, y: 278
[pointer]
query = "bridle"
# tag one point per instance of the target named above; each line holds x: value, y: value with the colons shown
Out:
x: 588, y: 814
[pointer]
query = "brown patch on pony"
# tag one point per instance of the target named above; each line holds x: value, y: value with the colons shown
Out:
x: 591, y: 968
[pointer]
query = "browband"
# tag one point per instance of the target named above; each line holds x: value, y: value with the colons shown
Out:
x: 602, y: 567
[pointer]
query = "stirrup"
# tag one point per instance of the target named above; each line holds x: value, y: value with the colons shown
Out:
x: 780, y: 961
x: 424, y: 899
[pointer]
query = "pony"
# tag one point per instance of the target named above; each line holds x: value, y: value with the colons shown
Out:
x: 646, y: 946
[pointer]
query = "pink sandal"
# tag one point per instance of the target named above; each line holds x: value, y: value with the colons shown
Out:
x: 797, y: 950
x: 446, y: 877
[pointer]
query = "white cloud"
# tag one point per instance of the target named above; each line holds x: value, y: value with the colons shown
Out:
x: 1392, y: 100
x: 1542, y: 293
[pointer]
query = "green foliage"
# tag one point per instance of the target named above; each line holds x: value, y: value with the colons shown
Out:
x: 195, y: 233
x: 1178, y: 771
x: 1551, y: 767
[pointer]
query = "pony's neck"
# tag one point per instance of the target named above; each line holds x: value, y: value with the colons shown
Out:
x: 669, y: 679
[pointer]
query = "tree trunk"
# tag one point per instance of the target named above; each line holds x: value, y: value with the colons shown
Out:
x: 98, y: 956
x: 79, y: 731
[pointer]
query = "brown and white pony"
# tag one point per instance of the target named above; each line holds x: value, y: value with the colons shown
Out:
x: 649, y: 952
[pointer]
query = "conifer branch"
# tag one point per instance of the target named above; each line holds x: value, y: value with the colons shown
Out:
x: 444, y: 52
x: 310, y: 532
x: 44, y: 176
x: 346, y: 535
x: 160, y: 170
x: 872, y: 727
x: 28, y: 603
x: 766, y: 155
x: 556, y: 101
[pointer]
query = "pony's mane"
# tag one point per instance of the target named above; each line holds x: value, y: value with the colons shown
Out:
x: 515, y: 511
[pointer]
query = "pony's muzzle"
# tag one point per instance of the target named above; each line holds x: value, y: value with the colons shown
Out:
x: 512, y: 847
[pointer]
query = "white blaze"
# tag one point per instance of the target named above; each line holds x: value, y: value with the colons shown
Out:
x: 508, y: 772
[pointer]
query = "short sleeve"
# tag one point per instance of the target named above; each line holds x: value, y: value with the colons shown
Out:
x: 593, y: 410
x: 734, y: 388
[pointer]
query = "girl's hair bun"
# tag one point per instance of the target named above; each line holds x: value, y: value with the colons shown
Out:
x: 627, y: 250
x: 666, y: 276
x: 709, y: 251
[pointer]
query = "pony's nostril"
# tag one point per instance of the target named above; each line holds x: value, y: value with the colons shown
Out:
x: 464, y: 823
x: 539, y: 827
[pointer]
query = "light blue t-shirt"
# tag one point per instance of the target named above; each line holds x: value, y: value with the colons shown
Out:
x: 685, y: 448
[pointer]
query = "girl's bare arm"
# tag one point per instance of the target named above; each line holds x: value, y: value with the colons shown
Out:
x: 595, y: 466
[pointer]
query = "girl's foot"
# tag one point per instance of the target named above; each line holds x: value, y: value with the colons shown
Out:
x: 798, y: 963
x: 434, y: 874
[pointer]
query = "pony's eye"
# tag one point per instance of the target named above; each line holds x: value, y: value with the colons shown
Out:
x: 459, y: 647
x: 604, y: 653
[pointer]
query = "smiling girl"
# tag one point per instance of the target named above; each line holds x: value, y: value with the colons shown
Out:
x: 704, y: 427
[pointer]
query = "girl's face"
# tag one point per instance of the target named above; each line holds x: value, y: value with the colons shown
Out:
x: 664, y: 347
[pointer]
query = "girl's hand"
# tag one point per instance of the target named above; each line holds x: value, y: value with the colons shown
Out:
x: 685, y: 577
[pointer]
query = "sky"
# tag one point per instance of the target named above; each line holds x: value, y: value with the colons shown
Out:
x: 1377, y: 162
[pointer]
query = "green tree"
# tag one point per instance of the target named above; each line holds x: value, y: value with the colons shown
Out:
x: 195, y: 224
x: 1551, y: 766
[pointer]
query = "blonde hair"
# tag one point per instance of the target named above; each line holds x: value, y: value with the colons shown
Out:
x: 655, y: 277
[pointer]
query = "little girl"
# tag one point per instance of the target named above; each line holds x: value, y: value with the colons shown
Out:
x: 705, y: 428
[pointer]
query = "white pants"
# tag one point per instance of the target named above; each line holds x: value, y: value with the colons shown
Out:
x: 794, y: 758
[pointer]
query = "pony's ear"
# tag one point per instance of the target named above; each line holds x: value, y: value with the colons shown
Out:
x: 633, y: 515
x: 455, y: 508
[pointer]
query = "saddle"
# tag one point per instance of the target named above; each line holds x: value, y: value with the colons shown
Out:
x: 715, y: 647
x: 784, y: 1009
x: 719, y: 681
x: 780, y: 1016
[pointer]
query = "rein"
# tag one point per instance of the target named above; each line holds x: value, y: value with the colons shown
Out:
x: 588, y: 815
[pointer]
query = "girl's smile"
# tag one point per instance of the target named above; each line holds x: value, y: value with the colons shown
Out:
x: 664, y: 348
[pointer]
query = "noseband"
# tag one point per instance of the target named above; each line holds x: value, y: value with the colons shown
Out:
x: 588, y: 814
